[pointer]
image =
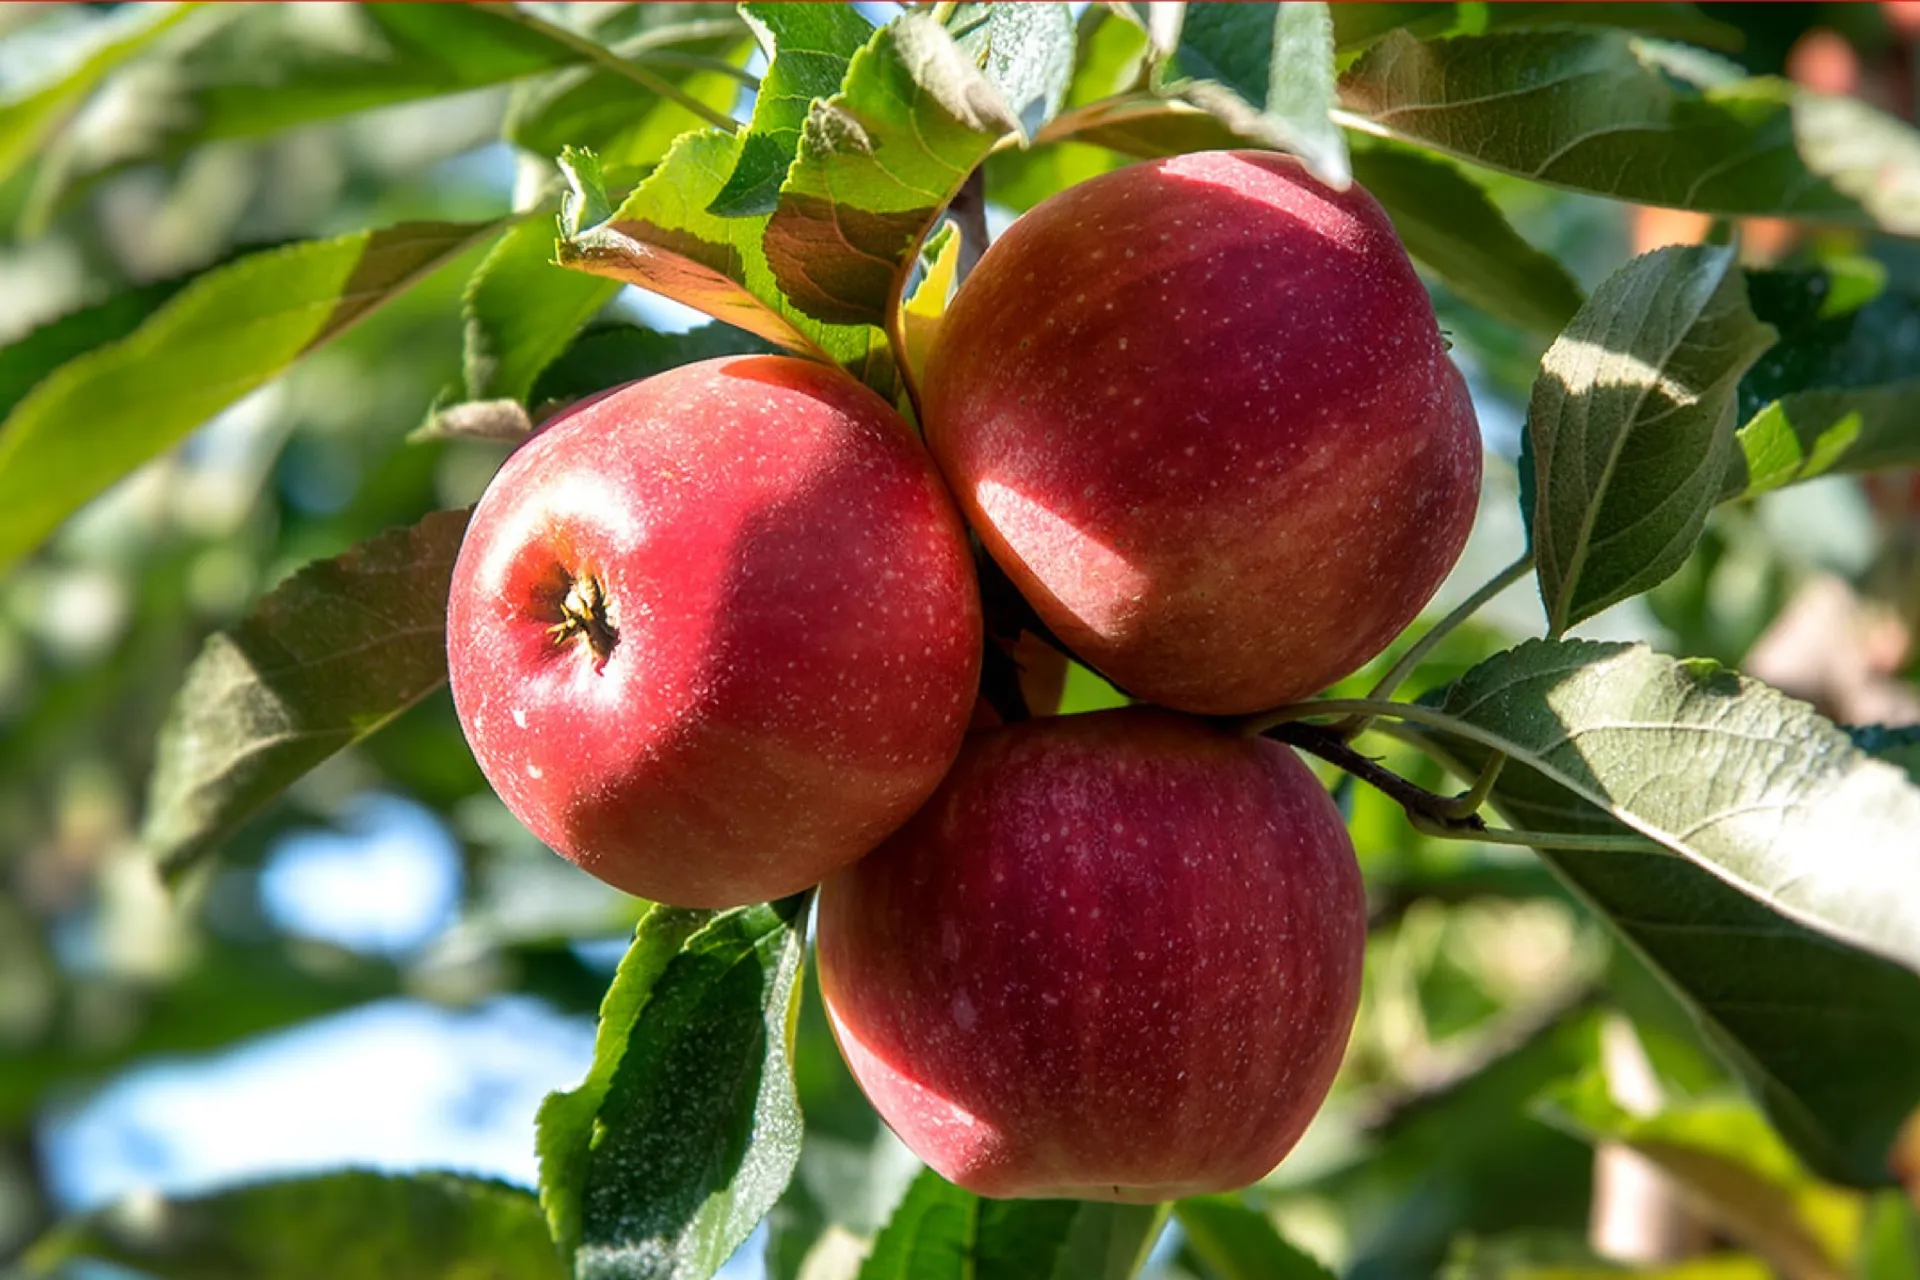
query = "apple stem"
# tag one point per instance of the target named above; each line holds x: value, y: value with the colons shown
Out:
x: 584, y: 613
x: 1405, y: 666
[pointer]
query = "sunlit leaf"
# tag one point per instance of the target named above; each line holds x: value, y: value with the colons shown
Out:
x: 1769, y: 840
x: 231, y: 330
x: 1267, y: 71
x: 323, y: 660
x: 1630, y: 429
x: 27, y: 121
x: 808, y: 47
x: 877, y: 162
x: 1837, y: 393
x: 662, y: 238
x: 687, y: 1128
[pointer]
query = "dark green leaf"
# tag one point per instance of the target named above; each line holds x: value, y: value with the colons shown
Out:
x: 522, y: 310
x: 877, y: 163
x: 808, y: 47
x: 1359, y: 24
x: 1631, y: 427
x: 1837, y: 1074
x: 1603, y: 112
x: 662, y: 238
x: 29, y: 120
x: 940, y: 1232
x: 1267, y: 71
x: 1237, y: 1242
x: 1837, y: 393
x: 432, y: 1226
x: 687, y: 1128
x: 1451, y: 227
x: 1898, y: 746
x: 229, y: 331
x: 322, y: 661
x: 609, y: 355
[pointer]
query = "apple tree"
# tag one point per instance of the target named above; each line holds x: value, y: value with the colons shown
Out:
x: 1596, y: 874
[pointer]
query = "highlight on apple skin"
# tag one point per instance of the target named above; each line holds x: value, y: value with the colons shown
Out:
x: 714, y: 636
x: 1200, y: 412
x: 1115, y: 957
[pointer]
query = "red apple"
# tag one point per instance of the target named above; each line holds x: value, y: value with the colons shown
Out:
x: 714, y: 636
x: 1199, y: 410
x: 1115, y: 957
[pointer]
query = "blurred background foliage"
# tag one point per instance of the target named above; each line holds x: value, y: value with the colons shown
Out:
x: 385, y: 970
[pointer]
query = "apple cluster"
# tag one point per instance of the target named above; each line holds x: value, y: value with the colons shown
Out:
x: 717, y: 637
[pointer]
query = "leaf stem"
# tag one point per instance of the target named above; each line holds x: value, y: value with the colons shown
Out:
x: 1409, y: 661
x: 1422, y: 806
x: 697, y: 62
x: 598, y: 54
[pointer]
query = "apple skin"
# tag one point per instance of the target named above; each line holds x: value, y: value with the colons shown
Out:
x: 1199, y: 411
x: 1115, y: 957
x: 774, y: 641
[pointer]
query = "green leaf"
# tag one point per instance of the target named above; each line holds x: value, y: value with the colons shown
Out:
x: 877, y: 163
x: 1450, y: 226
x: 521, y: 310
x: 686, y: 1129
x: 1737, y: 777
x: 1025, y: 50
x: 1730, y: 1165
x: 29, y: 120
x: 1837, y: 393
x: 662, y: 238
x: 1631, y: 427
x: 1109, y: 1241
x: 432, y: 1226
x: 609, y: 355
x: 1603, y: 112
x: 1267, y: 71
x: 614, y: 354
x: 568, y: 1121
x: 1897, y: 746
x: 1357, y: 25
x: 1613, y: 740
x: 627, y: 122
x: 1108, y: 59
x: 323, y: 660
x: 940, y: 1232
x: 1237, y: 1242
x: 228, y: 332
x: 808, y: 47
x: 25, y: 362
